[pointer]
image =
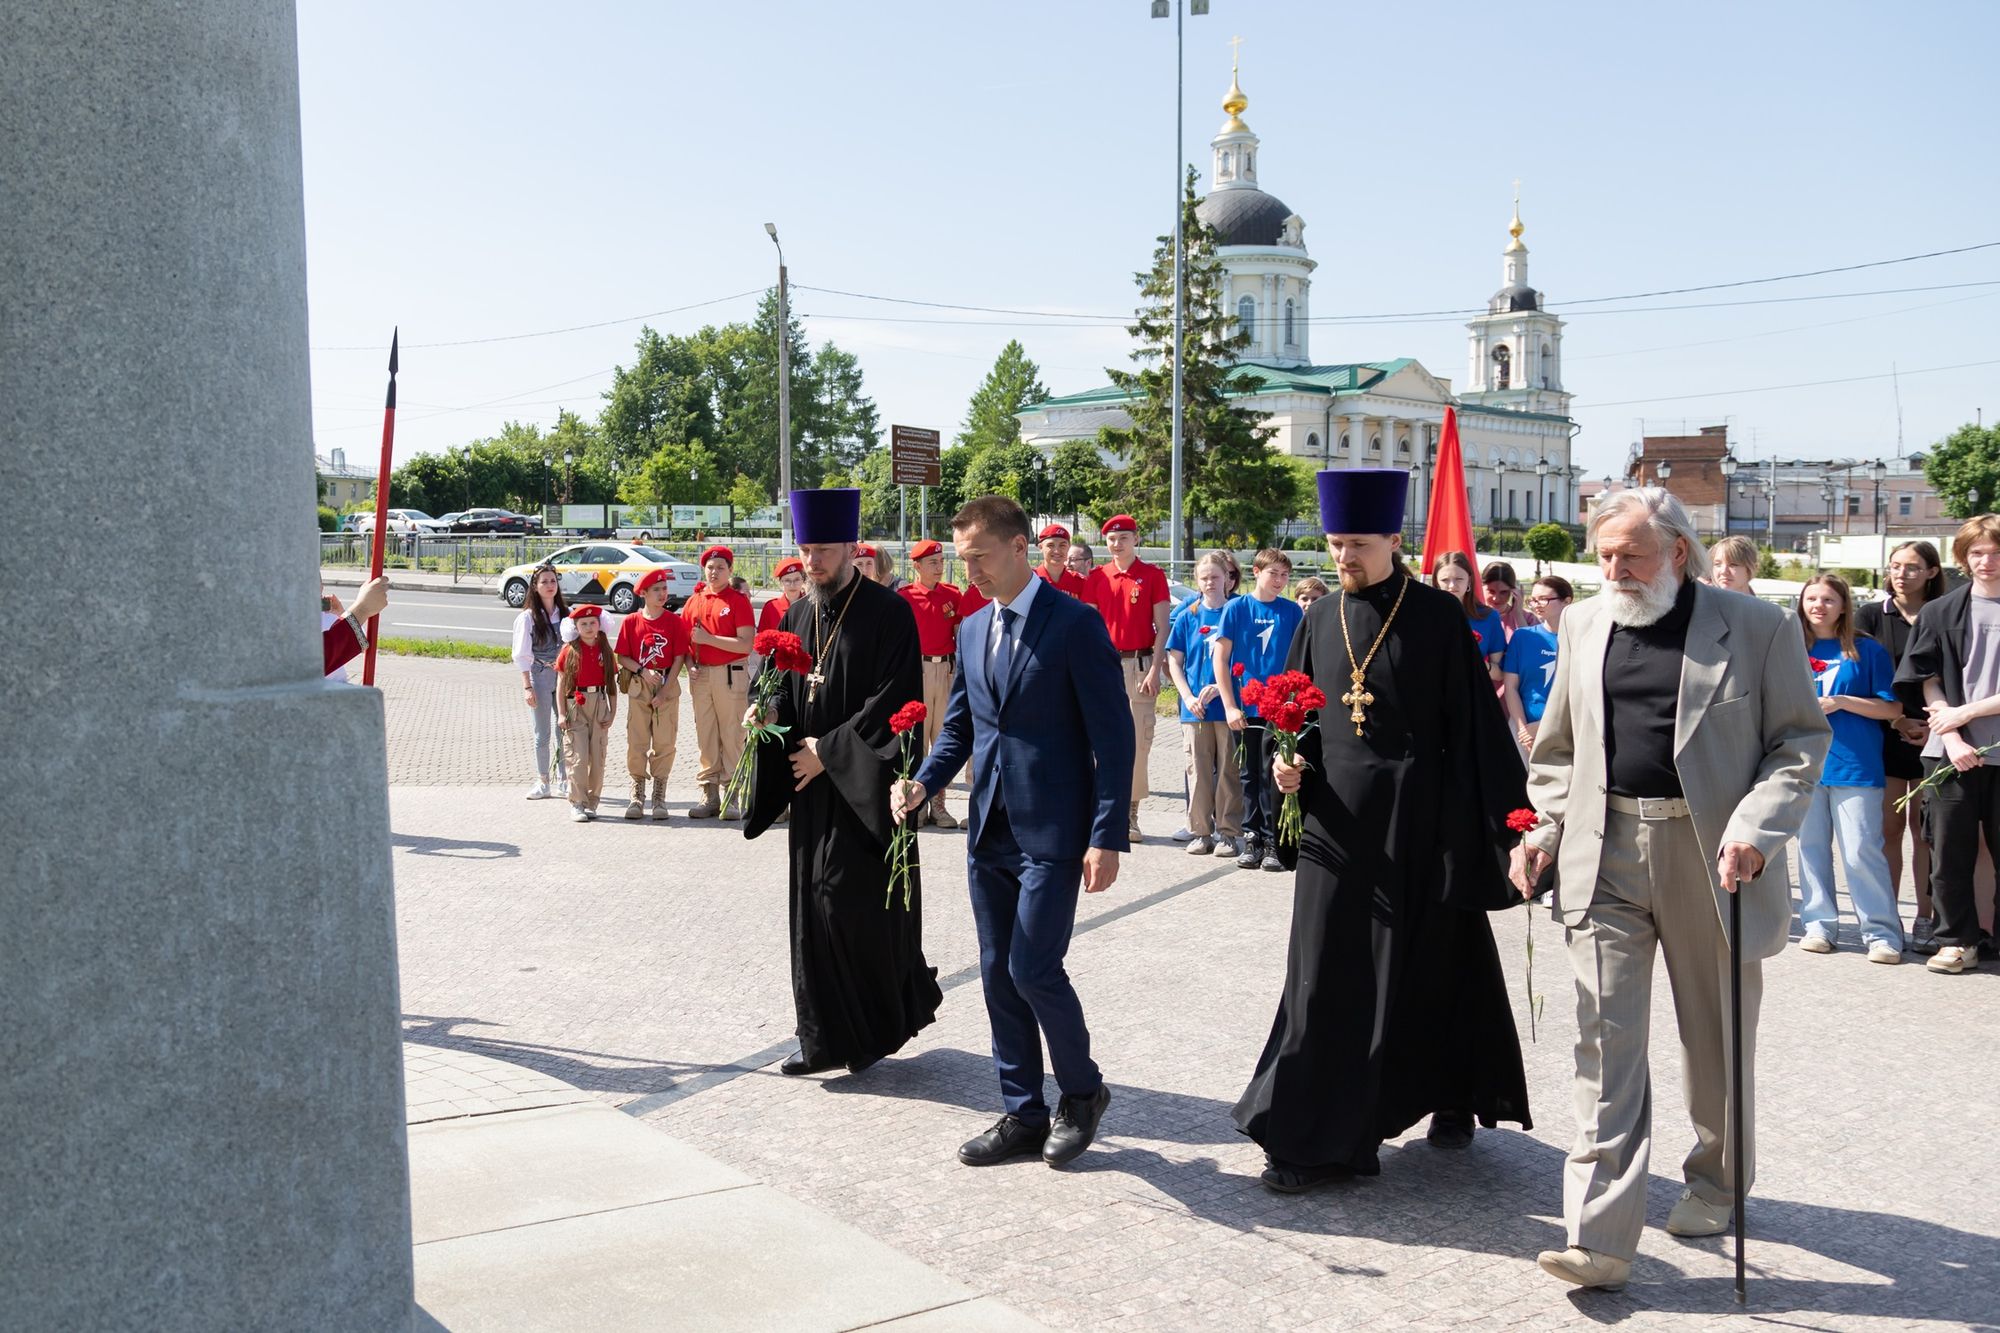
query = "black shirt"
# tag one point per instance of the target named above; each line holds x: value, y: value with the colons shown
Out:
x: 1642, y: 689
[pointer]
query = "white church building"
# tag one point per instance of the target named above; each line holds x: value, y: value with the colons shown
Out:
x: 1513, y: 416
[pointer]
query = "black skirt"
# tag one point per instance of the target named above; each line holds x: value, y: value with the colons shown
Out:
x: 1900, y: 759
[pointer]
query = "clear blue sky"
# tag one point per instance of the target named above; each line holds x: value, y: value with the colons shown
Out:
x: 475, y: 171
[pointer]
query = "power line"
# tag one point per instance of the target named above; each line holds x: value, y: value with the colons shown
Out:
x: 1773, y: 388
x: 547, y: 333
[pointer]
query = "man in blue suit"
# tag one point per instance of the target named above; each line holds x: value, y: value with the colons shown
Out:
x: 1038, y: 707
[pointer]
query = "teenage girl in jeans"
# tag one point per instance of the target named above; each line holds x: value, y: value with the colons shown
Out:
x: 537, y: 640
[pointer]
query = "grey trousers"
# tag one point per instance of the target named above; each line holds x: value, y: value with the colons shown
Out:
x: 1652, y: 894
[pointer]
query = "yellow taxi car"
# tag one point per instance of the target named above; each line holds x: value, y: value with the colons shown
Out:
x: 606, y: 573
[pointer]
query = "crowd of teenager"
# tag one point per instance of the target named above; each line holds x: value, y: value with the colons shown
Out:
x: 1909, y: 681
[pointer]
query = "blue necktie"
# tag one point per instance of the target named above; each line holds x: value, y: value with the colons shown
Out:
x: 1003, y: 652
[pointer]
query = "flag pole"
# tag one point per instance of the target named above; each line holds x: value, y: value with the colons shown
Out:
x: 381, y: 505
x: 1736, y: 1071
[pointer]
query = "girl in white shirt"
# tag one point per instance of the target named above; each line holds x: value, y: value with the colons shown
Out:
x: 537, y: 639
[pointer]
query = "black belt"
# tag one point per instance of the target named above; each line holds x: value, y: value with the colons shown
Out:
x: 1141, y: 653
x: 946, y: 657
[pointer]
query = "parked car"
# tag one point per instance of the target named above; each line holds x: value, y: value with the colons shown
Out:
x: 407, y: 521
x: 446, y: 520
x: 502, y: 521
x: 604, y: 572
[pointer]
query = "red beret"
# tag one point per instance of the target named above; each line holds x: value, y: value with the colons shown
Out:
x: 723, y: 551
x: 924, y: 550
x: 1054, y: 530
x: 654, y: 576
x: 585, y: 612
x: 790, y: 565
x: 863, y: 548
x: 1119, y: 523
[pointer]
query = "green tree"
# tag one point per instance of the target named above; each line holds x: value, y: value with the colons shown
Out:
x: 665, y: 397
x: 1078, y: 477
x: 881, y: 499
x: 1549, y: 542
x: 1965, y: 462
x: 1013, y: 384
x: 676, y: 474
x: 747, y: 496
x: 1007, y: 470
x: 1230, y: 475
x: 949, y: 495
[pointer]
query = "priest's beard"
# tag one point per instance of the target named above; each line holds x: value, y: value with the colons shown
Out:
x: 1636, y: 604
x: 822, y: 595
x: 1359, y: 580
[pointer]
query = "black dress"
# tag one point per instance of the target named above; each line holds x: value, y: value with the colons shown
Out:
x: 1394, y: 1004
x: 1882, y: 622
x: 859, y: 980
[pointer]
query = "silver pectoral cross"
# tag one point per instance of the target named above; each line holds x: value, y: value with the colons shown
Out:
x: 813, y: 682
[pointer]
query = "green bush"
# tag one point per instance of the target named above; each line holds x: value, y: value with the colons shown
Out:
x: 328, y: 520
x: 1857, y: 578
x: 1549, y: 542
x: 1767, y: 564
x: 1308, y: 543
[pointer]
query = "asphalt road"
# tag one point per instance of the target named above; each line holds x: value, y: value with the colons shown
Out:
x: 415, y: 614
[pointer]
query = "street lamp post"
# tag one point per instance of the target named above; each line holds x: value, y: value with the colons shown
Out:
x: 784, y: 396
x: 1881, y: 472
x: 1541, y: 484
x: 569, y: 476
x: 1663, y: 469
x: 1499, y: 499
x: 1728, y: 466
x: 1160, y: 9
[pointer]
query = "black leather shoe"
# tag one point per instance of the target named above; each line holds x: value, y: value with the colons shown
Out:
x: 1009, y: 1137
x: 1288, y: 1178
x: 798, y: 1065
x: 1271, y: 861
x: 1250, y: 856
x: 1450, y: 1129
x: 1075, y: 1126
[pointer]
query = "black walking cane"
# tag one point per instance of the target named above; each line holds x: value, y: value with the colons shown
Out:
x: 1736, y: 1068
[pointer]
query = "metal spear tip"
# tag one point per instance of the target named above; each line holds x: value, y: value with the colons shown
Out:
x: 395, y: 338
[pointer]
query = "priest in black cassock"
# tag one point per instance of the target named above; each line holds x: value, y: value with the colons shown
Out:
x: 858, y: 973
x: 1394, y: 1006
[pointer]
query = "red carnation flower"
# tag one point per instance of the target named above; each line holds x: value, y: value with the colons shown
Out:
x: 771, y: 642
x: 1286, y: 717
x: 579, y: 698
x: 1520, y: 821
x: 1237, y: 671
x: 1206, y: 628
x: 907, y: 718
x: 1817, y: 665
x: 1252, y: 693
x: 1312, y: 698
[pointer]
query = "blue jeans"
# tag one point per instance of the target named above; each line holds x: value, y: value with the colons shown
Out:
x: 544, y: 680
x: 1855, y: 815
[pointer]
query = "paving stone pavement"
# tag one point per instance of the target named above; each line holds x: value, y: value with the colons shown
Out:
x: 648, y: 966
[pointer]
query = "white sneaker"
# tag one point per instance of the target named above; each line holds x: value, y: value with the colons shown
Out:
x: 1881, y: 951
x: 1952, y: 959
x: 1814, y: 942
x: 540, y: 791
x: 1696, y: 1216
x: 579, y: 815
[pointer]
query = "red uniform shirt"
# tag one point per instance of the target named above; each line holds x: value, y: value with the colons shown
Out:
x: 1068, y: 580
x: 970, y: 600
x: 722, y: 614
x: 590, y: 662
x: 773, y: 613
x: 1126, y: 598
x: 653, y: 644
x: 937, y: 612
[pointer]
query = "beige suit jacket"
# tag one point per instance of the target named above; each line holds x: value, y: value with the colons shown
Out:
x: 1748, y: 744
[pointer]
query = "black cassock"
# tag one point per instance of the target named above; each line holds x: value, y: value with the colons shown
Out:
x: 858, y: 973
x: 1394, y: 1004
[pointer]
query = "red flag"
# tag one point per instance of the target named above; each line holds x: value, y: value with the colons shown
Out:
x: 1448, y: 525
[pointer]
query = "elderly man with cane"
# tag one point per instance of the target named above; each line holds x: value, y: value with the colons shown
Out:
x: 1676, y: 756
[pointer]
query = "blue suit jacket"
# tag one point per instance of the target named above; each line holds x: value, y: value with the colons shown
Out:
x: 1058, y: 748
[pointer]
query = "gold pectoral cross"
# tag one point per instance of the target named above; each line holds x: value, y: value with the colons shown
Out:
x: 1357, y: 698
x: 813, y: 682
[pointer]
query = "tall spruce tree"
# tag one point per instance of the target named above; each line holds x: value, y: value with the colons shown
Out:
x: 1230, y: 476
x: 1014, y: 383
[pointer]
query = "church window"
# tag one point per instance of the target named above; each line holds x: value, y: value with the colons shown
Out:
x: 1291, y: 332
x: 1503, y: 367
x: 1903, y: 505
x: 1228, y: 166
x: 1403, y: 446
x: 1246, y: 314
x: 1853, y: 505
x: 1343, y: 442
x: 1547, y: 358
x: 1312, y: 442
x: 1249, y: 162
x: 1375, y: 444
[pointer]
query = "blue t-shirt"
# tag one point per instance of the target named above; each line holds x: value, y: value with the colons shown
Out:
x: 1855, y: 758
x: 1260, y: 635
x: 1531, y: 655
x: 1492, y: 633
x: 1187, y: 639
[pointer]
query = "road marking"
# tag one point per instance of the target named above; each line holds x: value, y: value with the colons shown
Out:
x: 470, y: 629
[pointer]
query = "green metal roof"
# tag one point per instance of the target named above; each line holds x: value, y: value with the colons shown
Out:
x: 1483, y: 410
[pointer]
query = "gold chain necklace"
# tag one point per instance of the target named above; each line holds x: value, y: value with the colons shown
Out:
x: 1358, y: 697
x: 823, y: 642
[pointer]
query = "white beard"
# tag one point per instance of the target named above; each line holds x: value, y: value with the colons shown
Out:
x: 1636, y: 605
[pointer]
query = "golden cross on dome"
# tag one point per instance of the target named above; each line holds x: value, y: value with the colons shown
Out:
x: 1235, y: 52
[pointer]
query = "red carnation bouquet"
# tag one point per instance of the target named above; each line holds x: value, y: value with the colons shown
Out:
x: 782, y: 652
x: 902, y: 723
x: 1523, y: 821
x: 1286, y: 702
